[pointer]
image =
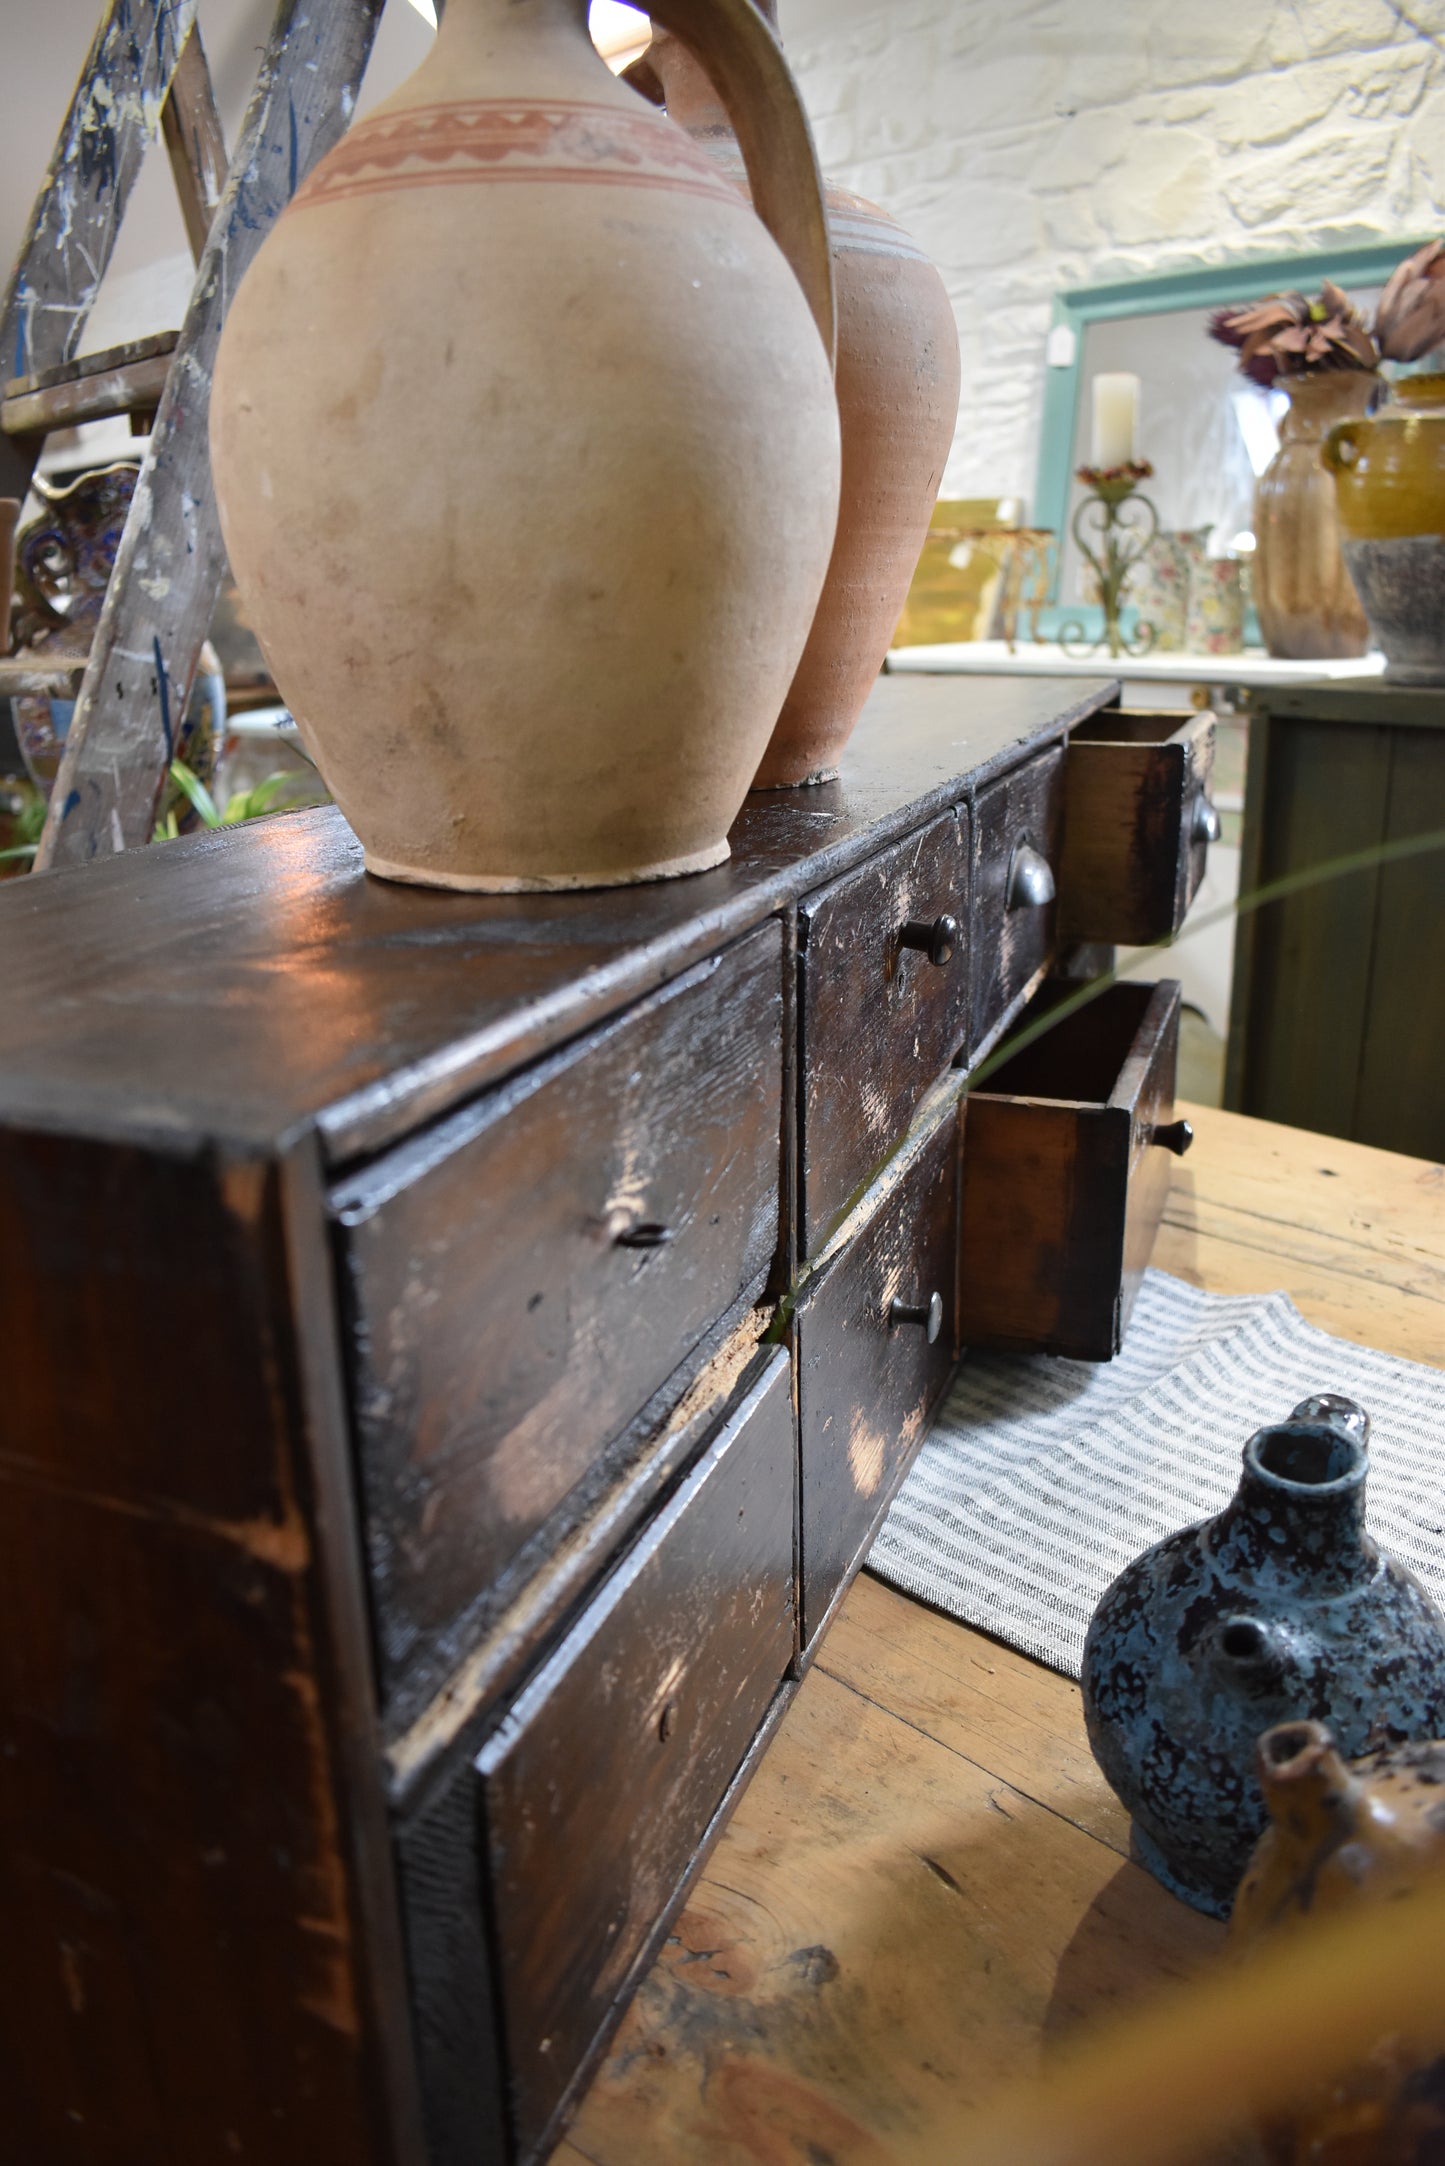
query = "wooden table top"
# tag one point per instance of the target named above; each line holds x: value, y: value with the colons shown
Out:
x: 927, y: 1883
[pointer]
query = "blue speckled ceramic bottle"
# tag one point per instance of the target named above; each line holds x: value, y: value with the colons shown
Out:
x: 1280, y: 1609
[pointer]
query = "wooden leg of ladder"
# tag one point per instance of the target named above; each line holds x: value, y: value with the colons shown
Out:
x: 102, y: 143
x: 194, y: 141
x: 170, y: 562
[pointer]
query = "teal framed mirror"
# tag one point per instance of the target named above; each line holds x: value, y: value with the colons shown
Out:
x: 1359, y: 267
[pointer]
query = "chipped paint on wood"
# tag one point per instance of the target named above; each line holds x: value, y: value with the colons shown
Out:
x: 112, y: 118
x: 119, y: 744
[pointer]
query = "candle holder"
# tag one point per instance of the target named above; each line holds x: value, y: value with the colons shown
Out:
x: 1121, y: 523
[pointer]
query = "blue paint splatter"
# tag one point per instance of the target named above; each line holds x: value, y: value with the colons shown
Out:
x: 163, y: 694
x: 70, y: 805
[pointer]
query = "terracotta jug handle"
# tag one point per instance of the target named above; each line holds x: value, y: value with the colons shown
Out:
x: 1341, y: 449
x: 745, y: 62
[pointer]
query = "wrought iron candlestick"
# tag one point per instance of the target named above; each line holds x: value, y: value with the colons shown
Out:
x: 1121, y: 523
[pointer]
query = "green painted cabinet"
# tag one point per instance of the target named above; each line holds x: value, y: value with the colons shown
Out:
x: 1338, y: 1014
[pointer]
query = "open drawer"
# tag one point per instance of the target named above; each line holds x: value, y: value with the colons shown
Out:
x: 1066, y: 1156
x: 1137, y: 824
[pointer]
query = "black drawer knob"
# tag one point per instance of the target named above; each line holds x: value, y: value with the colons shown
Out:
x: 647, y: 1235
x: 928, y: 1313
x: 1175, y: 1136
x: 937, y: 941
x: 1030, y: 879
x: 1206, y: 826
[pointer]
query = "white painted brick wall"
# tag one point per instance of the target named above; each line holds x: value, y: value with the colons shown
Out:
x: 1034, y: 144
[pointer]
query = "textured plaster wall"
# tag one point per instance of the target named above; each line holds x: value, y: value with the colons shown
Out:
x: 1034, y: 144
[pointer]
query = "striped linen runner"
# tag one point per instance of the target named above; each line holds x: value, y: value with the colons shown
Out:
x: 1043, y: 1478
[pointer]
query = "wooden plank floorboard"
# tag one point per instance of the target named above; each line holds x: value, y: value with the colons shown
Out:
x: 886, y: 1932
x: 984, y: 1701
x: 1356, y: 1235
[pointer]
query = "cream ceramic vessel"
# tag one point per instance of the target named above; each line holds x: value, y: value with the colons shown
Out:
x: 527, y: 453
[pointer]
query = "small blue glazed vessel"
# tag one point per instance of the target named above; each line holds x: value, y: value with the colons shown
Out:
x: 1281, y: 1609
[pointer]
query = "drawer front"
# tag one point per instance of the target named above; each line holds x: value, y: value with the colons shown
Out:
x: 1066, y: 1158
x: 868, y: 1377
x: 599, y: 1789
x: 1137, y: 825
x: 1020, y: 827
x: 522, y: 1278
x: 884, y: 1006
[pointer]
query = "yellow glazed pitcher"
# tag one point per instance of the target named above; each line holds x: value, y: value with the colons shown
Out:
x: 1389, y: 472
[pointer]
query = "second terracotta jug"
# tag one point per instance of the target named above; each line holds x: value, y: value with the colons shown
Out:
x: 898, y: 376
x: 526, y: 448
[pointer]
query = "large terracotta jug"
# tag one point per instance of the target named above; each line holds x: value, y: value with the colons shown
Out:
x: 897, y: 379
x: 1389, y: 475
x: 527, y: 453
x: 1307, y: 604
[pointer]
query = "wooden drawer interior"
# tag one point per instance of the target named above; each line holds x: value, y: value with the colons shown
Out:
x: 869, y: 1374
x: 883, y: 1008
x: 1019, y: 828
x: 522, y: 1277
x: 1065, y: 1172
x: 598, y: 1790
x: 1138, y: 822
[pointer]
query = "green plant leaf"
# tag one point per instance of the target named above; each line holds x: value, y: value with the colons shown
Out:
x: 191, y: 786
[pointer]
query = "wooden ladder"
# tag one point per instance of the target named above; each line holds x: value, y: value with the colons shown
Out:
x: 145, y: 67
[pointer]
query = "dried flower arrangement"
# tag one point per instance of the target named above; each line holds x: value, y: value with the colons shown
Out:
x: 1290, y: 334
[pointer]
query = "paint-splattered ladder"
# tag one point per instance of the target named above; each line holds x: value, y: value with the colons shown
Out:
x: 146, y: 69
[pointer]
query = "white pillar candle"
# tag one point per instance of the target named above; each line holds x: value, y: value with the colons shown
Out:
x: 1116, y: 420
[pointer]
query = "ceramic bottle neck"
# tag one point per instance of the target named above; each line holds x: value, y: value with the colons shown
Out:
x: 1318, y: 401
x: 1307, y: 1787
x: 687, y: 88
x: 513, y: 48
x: 1299, y: 1511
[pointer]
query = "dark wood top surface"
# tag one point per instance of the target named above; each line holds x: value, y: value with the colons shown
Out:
x: 246, y: 983
x: 1364, y: 700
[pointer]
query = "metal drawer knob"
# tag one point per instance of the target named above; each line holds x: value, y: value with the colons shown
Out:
x: 1030, y: 879
x: 1175, y: 1136
x: 928, y: 1313
x: 937, y: 941
x: 1206, y: 825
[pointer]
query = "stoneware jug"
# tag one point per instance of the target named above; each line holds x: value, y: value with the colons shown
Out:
x: 1278, y: 1609
x: 1389, y: 473
x: 897, y: 382
x: 1306, y: 601
x: 1341, y: 1836
x: 526, y: 446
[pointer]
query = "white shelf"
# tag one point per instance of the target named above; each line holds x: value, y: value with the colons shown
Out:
x: 1253, y: 669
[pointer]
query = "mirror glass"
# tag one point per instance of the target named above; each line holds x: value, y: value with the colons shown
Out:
x: 1205, y: 429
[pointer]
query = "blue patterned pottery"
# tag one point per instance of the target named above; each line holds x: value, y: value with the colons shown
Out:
x: 1280, y: 1609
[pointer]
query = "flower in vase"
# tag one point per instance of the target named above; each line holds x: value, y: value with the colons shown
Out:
x: 1289, y: 334
x: 1410, y: 319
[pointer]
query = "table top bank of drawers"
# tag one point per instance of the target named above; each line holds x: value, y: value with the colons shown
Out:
x: 469, y: 1343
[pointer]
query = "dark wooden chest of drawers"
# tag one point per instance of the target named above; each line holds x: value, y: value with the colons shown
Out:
x: 458, y: 1350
